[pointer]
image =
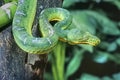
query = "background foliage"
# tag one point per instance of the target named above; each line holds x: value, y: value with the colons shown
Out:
x: 84, y: 62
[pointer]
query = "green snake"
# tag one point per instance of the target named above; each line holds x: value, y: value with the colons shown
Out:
x: 23, y: 21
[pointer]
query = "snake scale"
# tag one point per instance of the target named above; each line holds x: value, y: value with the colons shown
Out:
x: 23, y: 21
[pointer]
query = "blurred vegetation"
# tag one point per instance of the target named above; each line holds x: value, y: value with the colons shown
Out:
x: 84, y: 62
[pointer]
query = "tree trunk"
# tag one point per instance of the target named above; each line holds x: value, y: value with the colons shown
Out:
x: 16, y: 64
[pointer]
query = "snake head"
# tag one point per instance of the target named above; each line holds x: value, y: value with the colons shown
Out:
x: 76, y: 36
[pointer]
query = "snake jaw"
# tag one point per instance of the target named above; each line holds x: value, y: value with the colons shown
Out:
x: 82, y: 37
x: 92, y: 42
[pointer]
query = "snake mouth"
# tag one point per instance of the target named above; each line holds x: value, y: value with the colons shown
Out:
x: 75, y: 43
x: 88, y: 42
x: 91, y: 43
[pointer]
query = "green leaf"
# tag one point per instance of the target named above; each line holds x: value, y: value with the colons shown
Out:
x: 115, y: 57
x: 116, y: 2
x: 116, y: 76
x: 68, y: 3
x: 101, y: 57
x: 88, y: 48
x: 90, y: 21
x: 104, y: 45
x: 118, y: 24
x: 83, y: 21
x: 118, y: 41
x: 89, y: 77
x: 104, y: 23
x: 75, y: 62
x: 106, y: 78
x: 112, y: 47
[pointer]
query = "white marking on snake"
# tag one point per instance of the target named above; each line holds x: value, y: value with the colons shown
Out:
x: 35, y: 40
x: 51, y: 31
x: 17, y: 29
x: 49, y: 40
x: 17, y: 21
x: 20, y: 13
x: 25, y: 40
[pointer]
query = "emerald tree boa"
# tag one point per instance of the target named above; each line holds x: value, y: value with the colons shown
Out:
x: 23, y: 21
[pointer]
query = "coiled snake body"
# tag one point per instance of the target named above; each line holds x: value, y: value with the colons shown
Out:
x: 22, y: 24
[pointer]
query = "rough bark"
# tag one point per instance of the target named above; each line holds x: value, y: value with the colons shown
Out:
x: 16, y: 64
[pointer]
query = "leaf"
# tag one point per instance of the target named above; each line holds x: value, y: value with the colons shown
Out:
x: 104, y: 23
x: 75, y: 62
x: 68, y: 3
x: 91, y: 20
x: 116, y: 3
x: 83, y: 22
x: 116, y: 76
x: 101, y: 57
x: 104, y: 45
x: 107, y: 26
x: 88, y: 48
x: 89, y: 77
x: 118, y: 41
x: 112, y: 47
x: 106, y: 78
